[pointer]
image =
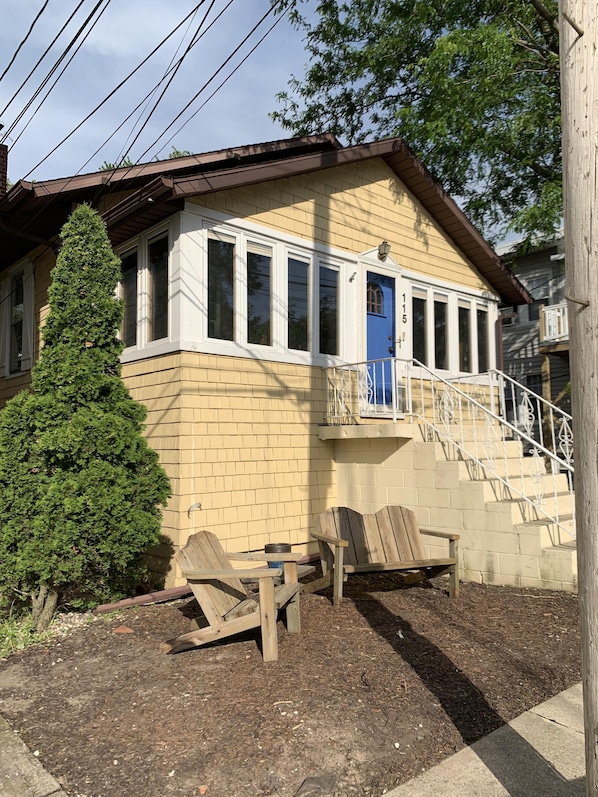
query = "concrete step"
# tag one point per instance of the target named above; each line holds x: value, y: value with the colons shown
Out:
x: 515, y: 466
x: 558, y: 566
x: 493, y: 450
x: 497, y: 490
x: 522, y: 511
x: 549, y: 534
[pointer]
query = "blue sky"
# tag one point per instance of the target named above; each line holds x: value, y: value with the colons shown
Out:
x: 121, y: 39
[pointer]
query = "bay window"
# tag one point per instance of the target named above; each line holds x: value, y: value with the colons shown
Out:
x: 464, y: 338
x: 440, y: 333
x: 16, y: 324
x: 419, y: 328
x: 483, y: 339
x: 450, y: 331
x: 17, y: 297
x: 128, y: 293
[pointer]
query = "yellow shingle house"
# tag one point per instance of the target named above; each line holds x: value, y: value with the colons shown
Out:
x: 252, y: 277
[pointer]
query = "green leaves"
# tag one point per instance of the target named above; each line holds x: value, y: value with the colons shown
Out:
x: 80, y: 489
x: 472, y: 85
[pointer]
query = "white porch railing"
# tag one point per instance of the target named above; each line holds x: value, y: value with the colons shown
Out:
x: 481, y: 417
x: 546, y: 424
x: 554, y: 323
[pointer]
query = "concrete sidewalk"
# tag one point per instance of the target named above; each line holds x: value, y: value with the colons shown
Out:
x: 539, y: 754
x: 21, y: 774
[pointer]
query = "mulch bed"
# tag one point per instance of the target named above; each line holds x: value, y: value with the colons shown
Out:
x: 371, y: 693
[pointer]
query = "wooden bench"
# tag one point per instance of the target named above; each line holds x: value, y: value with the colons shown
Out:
x: 390, y: 540
x: 227, y: 607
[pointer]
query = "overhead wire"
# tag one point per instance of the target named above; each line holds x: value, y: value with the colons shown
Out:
x: 214, y: 75
x: 207, y: 83
x: 24, y: 41
x: 102, y: 188
x: 41, y: 58
x: 63, y: 70
x: 146, y: 100
x: 173, y: 74
x: 220, y: 85
x: 112, y: 93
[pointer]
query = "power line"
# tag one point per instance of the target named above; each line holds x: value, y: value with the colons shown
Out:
x: 220, y: 85
x: 174, y: 71
x: 63, y: 70
x: 220, y: 68
x: 41, y: 58
x: 148, y: 96
x: 196, y: 39
x: 114, y: 91
x: 206, y: 84
x: 17, y: 51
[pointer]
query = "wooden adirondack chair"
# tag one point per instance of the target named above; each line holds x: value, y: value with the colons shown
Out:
x: 227, y: 607
x: 389, y: 540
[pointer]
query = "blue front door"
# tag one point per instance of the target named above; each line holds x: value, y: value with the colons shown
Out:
x: 381, y: 337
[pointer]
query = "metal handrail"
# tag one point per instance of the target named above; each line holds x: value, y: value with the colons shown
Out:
x: 453, y: 414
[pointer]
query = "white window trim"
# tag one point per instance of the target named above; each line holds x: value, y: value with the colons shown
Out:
x: 198, y: 228
x: 26, y: 269
x: 145, y: 347
x: 188, y: 293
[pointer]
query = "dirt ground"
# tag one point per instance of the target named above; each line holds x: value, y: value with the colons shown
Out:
x: 370, y: 694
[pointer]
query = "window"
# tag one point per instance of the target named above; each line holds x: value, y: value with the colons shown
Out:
x: 16, y: 321
x: 464, y: 339
x: 534, y: 383
x: 419, y: 328
x: 483, y: 340
x: 539, y: 287
x: 128, y: 332
x: 375, y: 300
x: 450, y: 330
x: 440, y: 334
x: 221, y: 265
x: 158, y: 288
x: 259, y: 294
x: 328, y: 293
x: 298, y: 304
x: 16, y: 324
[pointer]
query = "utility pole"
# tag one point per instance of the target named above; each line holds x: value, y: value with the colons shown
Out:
x: 578, y: 22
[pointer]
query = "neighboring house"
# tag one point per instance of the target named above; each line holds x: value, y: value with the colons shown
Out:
x: 536, y: 336
x: 251, y: 277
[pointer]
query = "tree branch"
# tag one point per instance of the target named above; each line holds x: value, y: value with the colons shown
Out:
x: 545, y: 14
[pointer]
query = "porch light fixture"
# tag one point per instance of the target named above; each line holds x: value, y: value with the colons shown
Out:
x: 383, y: 250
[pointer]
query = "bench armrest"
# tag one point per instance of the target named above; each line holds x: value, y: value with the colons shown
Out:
x: 265, y: 557
x: 446, y: 535
x: 210, y: 575
x: 337, y: 541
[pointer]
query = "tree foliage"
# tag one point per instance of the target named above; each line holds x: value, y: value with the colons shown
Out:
x: 80, y: 489
x: 471, y: 85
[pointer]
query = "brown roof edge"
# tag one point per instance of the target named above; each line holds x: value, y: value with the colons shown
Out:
x: 159, y: 189
x: 324, y: 141
x: 477, y: 238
